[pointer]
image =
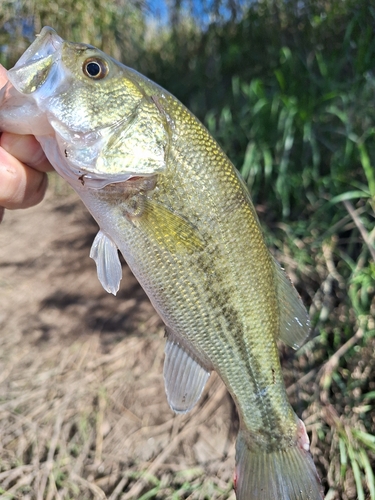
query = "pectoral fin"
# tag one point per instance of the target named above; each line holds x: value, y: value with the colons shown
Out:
x: 294, y: 319
x: 169, y: 229
x: 184, y: 376
x: 108, y: 265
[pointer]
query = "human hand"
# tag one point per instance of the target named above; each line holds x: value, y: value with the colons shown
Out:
x: 23, y: 167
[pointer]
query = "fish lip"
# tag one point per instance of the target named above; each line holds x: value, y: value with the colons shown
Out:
x: 46, y: 43
x: 99, y: 181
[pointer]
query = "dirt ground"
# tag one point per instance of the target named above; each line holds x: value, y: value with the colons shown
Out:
x: 83, y: 413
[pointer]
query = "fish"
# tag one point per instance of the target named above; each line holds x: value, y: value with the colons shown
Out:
x: 166, y: 196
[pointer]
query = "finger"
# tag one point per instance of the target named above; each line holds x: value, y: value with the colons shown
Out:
x: 3, y: 76
x: 20, y: 185
x: 26, y: 149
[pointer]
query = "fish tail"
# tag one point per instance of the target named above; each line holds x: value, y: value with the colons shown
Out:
x: 286, y: 474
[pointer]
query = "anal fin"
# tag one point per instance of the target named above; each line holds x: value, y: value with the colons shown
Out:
x: 184, y: 375
x: 294, y: 319
x: 107, y: 260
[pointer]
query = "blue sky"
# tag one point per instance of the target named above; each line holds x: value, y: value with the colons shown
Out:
x: 201, y: 9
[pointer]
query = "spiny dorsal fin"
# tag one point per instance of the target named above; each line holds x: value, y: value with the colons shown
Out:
x: 108, y: 265
x: 294, y: 319
x: 184, y: 376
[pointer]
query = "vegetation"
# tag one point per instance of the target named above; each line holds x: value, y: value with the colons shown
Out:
x: 288, y: 90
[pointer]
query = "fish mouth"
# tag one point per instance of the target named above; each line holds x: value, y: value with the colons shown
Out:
x: 32, y: 69
x: 45, y: 44
x: 97, y: 181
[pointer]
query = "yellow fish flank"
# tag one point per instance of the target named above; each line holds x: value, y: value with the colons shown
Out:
x: 166, y: 196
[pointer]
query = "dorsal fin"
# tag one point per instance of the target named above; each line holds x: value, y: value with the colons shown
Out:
x: 184, y: 375
x: 294, y: 319
x: 108, y: 265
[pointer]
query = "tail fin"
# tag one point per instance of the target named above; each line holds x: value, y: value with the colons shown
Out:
x: 287, y: 474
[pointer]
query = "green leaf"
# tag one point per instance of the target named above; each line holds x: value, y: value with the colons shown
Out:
x: 370, y: 479
x: 349, y: 195
x: 365, y: 438
x: 358, y: 478
x: 368, y: 168
x: 369, y: 395
x: 343, y: 458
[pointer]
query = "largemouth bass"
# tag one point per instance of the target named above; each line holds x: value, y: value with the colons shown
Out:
x: 166, y: 196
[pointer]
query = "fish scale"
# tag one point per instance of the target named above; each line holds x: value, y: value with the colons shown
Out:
x: 208, y: 316
x: 166, y: 196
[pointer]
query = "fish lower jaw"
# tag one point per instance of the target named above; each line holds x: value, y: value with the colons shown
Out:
x: 82, y: 177
x: 98, y: 181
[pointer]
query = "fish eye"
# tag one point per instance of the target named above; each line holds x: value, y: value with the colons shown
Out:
x: 95, y: 68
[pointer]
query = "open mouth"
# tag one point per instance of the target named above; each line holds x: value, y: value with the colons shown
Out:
x: 45, y: 44
x: 32, y: 69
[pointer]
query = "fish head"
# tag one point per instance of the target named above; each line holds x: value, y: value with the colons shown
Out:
x: 99, y: 119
